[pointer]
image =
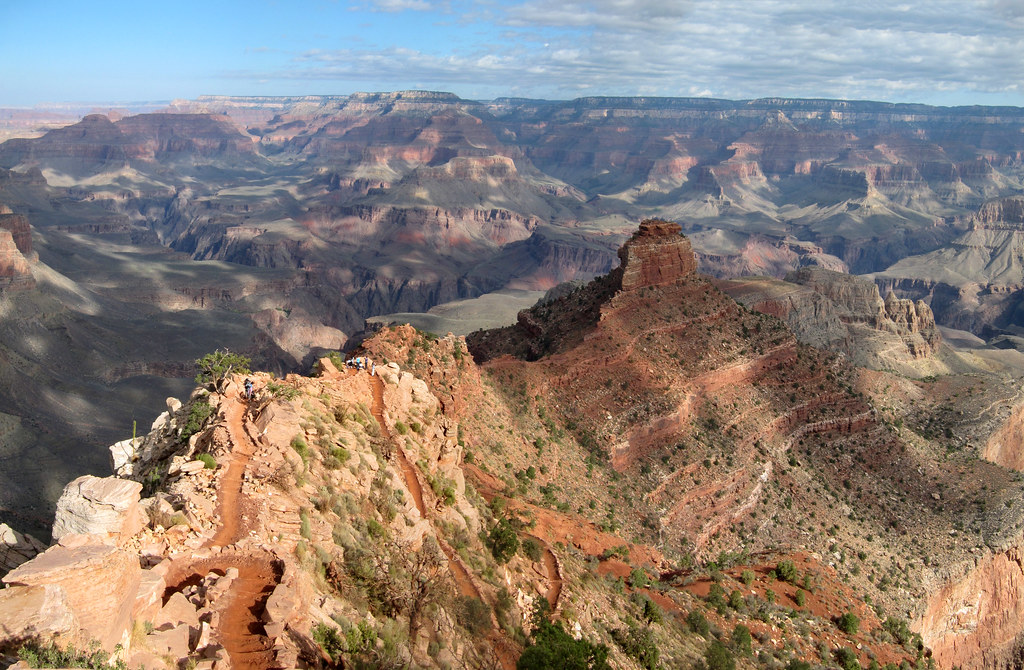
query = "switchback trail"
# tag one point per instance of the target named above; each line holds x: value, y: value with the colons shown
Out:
x: 504, y: 649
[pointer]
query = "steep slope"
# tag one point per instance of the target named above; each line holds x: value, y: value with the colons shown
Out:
x: 734, y: 438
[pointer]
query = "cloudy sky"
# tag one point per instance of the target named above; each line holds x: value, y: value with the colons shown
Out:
x: 944, y: 52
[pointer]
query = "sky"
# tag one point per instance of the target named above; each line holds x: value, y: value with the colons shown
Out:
x: 940, y: 52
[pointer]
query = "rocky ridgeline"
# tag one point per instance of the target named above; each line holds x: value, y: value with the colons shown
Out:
x: 843, y: 313
x: 155, y: 564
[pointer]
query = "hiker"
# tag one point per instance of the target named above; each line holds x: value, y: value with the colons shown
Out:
x: 248, y: 388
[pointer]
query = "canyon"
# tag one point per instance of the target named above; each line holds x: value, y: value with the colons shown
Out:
x: 838, y: 328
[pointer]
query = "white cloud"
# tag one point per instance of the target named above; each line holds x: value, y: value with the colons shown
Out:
x: 726, y: 48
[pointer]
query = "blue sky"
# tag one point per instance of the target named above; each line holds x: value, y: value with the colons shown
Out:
x: 944, y: 52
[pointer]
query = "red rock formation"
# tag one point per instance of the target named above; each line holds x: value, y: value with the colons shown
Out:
x: 974, y: 621
x: 100, y: 582
x: 15, y: 272
x: 20, y: 231
x: 656, y: 254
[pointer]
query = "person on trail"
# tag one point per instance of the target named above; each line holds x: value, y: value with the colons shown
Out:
x: 248, y: 389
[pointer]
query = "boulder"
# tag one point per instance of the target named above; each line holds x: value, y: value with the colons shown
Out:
x: 16, y: 548
x: 101, y: 583
x: 177, y: 611
x: 37, y: 611
x: 99, y: 506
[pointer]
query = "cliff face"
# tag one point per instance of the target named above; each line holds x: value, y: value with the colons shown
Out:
x: 975, y: 281
x: 656, y: 254
x: 15, y: 251
x: 846, y: 314
x: 973, y: 621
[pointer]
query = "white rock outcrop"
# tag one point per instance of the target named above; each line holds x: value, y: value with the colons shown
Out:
x: 99, y: 506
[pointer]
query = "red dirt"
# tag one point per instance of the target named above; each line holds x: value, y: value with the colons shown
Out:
x: 240, y: 629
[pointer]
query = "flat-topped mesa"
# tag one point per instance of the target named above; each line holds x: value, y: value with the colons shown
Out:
x: 657, y: 254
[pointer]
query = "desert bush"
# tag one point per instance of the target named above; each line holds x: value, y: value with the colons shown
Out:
x: 38, y: 655
x: 638, y: 644
x: 330, y: 640
x: 531, y: 549
x: 639, y: 579
x: 503, y: 541
x: 846, y: 659
x: 208, y: 460
x: 849, y: 623
x: 787, y: 571
x: 198, y: 413
x: 698, y: 623
x: 718, y: 657
x: 552, y: 647
x: 473, y: 614
x: 215, y: 367
x: 742, y: 639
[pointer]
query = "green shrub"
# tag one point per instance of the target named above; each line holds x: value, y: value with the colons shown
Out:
x: 552, y: 647
x: 787, y: 572
x: 741, y: 638
x: 736, y: 600
x: 639, y: 644
x: 747, y: 577
x: 531, y: 549
x: 716, y: 595
x: 474, y: 615
x: 301, y: 448
x: 846, y: 659
x: 718, y: 657
x: 215, y: 367
x: 651, y: 612
x: 51, y: 656
x: 198, y: 413
x: 401, y: 428
x: 849, y: 623
x: 639, y: 579
x: 503, y: 541
x: 330, y: 640
x: 698, y: 623
x: 898, y: 628
x: 208, y: 460
x: 801, y: 598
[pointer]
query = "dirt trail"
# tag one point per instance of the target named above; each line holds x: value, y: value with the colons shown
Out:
x: 411, y: 480
x: 240, y: 629
x: 487, y: 484
x: 505, y: 650
x: 551, y: 568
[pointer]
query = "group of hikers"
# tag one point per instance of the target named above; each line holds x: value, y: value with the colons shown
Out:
x: 357, y: 363
x: 362, y: 363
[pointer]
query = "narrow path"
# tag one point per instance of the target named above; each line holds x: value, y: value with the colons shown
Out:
x: 240, y: 629
x: 505, y: 651
x: 554, y: 577
x: 408, y: 471
x: 229, y: 488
